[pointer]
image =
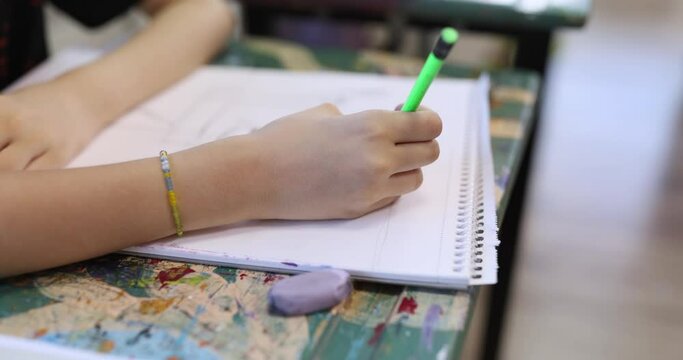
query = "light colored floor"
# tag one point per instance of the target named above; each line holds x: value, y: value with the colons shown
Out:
x: 599, y: 274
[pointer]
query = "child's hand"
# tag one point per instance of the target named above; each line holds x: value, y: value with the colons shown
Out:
x: 42, y: 128
x: 322, y: 164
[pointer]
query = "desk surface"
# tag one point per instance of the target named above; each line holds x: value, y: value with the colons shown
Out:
x: 522, y: 14
x: 128, y: 305
x: 545, y: 14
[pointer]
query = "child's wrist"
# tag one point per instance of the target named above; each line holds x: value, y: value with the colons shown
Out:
x: 251, y: 172
x: 219, y: 183
x: 67, y: 100
x: 77, y: 94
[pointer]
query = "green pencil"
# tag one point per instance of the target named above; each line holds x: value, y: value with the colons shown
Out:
x: 431, y: 68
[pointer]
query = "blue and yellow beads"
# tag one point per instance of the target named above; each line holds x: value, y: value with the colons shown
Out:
x: 172, y: 199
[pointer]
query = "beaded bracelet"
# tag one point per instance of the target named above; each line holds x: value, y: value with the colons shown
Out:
x: 172, y: 200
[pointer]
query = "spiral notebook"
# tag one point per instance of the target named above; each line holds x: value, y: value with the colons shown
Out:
x: 443, y: 235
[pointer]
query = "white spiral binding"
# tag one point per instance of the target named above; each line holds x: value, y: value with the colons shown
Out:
x: 484, y: 221
x: 478, y: 226
x: 470, y: 220
x: 464, y: 209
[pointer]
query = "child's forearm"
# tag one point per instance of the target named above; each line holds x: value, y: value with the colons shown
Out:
x: 51, y: 218
x: 181, y: 36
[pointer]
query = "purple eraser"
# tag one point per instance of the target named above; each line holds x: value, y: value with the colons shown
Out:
x: 310, y: 292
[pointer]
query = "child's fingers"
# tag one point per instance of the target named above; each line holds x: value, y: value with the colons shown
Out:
x: 49, y: 160
x: 405, y: 182
x: 421, y: 108
x: 410, y: 156
x: 19, y: 154
x: 320, y: 111
x: 4, y: 141
x: 382, y: 203
x: 414, y: 126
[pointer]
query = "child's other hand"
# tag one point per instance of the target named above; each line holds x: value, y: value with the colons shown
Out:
x: 42, y: 127
x: 322, y: 164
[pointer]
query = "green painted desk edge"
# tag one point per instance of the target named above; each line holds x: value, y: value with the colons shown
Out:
x: 458, y: 11
x: 501, y: 15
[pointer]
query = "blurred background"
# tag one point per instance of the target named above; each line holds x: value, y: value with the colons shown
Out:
x: 600, y: 260
x: 601, y: 257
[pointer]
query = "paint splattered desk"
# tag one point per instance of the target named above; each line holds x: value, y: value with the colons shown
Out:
x: 150, y: 308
